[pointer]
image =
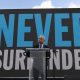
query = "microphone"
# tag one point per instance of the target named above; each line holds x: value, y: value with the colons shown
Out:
x: 27, y: 53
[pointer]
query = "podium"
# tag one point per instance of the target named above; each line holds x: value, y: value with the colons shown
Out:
x: 38, y: 57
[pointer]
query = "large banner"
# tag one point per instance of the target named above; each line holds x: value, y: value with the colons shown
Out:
x: 20, y: 29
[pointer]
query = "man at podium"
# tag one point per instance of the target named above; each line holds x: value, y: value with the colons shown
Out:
x: 41, y: 45
x: 41, y: 42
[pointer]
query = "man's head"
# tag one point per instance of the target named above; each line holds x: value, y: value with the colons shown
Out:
x: 41, y: 39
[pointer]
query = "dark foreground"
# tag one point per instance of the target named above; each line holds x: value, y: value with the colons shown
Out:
x: 47, y: 79
x: 25, y: 79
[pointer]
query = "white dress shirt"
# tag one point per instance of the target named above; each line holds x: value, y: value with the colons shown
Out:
x: 41, y: 45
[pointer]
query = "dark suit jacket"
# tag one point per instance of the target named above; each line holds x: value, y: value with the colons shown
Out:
x: 44, y: 46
